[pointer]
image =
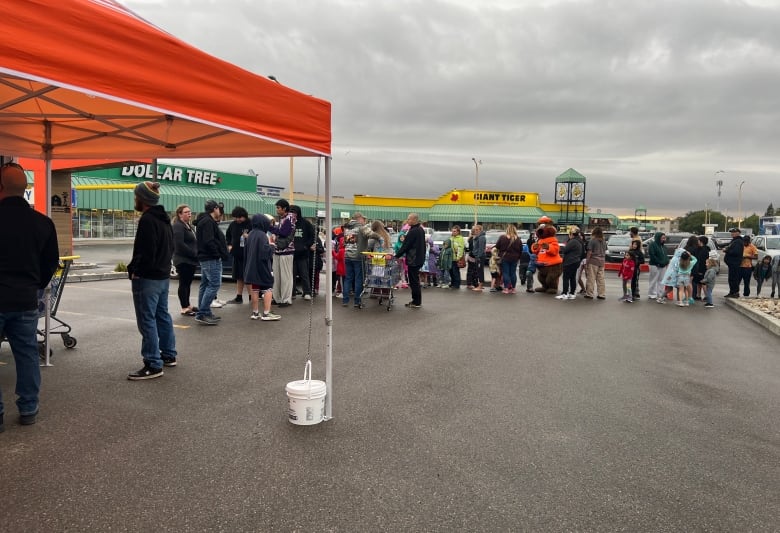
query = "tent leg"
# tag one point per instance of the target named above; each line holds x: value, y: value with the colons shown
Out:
x: 328, y: 298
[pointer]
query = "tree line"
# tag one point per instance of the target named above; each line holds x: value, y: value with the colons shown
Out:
x: 694, y: 221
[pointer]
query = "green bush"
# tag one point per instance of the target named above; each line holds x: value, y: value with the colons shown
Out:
x: 120, y: 267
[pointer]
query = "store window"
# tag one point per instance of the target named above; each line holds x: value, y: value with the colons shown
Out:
x: 104, y: 224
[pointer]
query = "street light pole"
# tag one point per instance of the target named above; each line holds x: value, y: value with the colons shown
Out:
x: 273, y: 78
x: 719, y: 184
x: 739, y: 209
x: 477, y: 162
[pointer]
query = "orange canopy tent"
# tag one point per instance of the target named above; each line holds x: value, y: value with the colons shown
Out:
x: 89, y: 79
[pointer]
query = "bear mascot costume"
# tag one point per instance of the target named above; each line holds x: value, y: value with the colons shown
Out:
x: 549, y: 263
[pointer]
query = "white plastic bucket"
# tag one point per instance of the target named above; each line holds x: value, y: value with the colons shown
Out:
x: 306, y: 399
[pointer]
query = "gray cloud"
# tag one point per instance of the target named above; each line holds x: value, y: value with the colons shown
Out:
x: 646, y: 99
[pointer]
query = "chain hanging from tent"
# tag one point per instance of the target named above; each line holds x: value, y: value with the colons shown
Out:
x: 314, y: 259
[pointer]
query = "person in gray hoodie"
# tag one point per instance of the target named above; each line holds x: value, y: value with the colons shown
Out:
x: 356, y: 235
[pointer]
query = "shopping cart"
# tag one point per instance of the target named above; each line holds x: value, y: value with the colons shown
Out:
x: 381, y: 273
x: 54, y: 294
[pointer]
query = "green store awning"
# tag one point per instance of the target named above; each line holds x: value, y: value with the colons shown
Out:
x: 388, y: 213
x: 485, y: 213
x: 170, y: 197
x: 309, y: 208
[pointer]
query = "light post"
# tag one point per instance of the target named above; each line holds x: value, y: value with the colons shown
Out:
x: 719, y: 184
x: 477, y: 162
x: 739, y: 208
x: 273, y: 78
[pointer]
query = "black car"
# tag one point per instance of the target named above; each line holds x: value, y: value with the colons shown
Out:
x: 672, y: 242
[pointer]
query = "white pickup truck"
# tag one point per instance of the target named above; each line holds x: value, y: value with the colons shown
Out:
x: 767, y: 245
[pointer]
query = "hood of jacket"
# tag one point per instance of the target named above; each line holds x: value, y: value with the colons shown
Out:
x: 261, y: 222
x: 158, y: 212
x: 657, y: 236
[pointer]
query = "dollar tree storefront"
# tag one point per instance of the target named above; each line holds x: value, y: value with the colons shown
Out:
x: 102, y: 200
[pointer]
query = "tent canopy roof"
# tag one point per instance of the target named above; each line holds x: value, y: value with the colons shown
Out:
x: 90, y: 79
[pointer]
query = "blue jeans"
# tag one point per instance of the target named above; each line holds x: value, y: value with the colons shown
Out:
x: 354, y: 276
x: 210, y: 282
x: 20, y: 328
x: 509, y: 273
x: 708, y: 293
x: 150, y: 298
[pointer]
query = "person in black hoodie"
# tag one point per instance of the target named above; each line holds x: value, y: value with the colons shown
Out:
x: 733, y: 257
x: 235, y: 236
x: 258, y: 265
x: 30, y: 257
x: 149, y: 272
x: 303, y: 258
x: 414, y: 250
x: 212, y: 250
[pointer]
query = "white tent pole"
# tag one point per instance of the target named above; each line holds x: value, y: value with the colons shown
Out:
x: 328, y: 297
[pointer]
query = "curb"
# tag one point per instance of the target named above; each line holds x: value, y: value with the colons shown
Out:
x: 771, y: 324
x: 78, y: 277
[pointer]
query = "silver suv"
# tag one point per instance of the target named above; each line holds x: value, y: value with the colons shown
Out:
x: 617, y: 246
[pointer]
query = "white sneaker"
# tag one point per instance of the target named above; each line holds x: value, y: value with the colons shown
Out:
x: 563, y: 296
x: 571, y: 297
x: 270, y: 316
x: 307, y: 296
x: 338, y: 295
x: 217, y: 303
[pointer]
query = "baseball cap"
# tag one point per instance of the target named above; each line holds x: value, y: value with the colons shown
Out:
x: 210, y: 206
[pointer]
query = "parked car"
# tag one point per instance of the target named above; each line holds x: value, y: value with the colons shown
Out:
x: 721, y: 238
x: 491, y: 238
x: 714, y: 253
x: 439, y: 236
x: 767, y: 245
x: 617, y: 246
x: 673, y: 241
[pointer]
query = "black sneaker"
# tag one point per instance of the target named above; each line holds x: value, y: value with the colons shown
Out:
x: 709, y: 306
x: 169, y: 362
x: 28, y: 419
x: 207, y: 320
x: 236, y: 300
x: 145, y: 373
x: 412, y: 305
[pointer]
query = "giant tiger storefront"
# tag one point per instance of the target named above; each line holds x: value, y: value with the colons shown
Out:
x: 98, y: 204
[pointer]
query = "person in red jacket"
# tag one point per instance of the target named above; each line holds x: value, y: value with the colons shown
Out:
x: 626, y: 274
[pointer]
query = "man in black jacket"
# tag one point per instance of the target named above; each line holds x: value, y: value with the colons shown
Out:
x: 414, y: 249
x: 235, y: 236
x: 149, y: 272
x: 304, y: 250
x: 30, y: 257
x: 212, y: 250
x: 733, y: 257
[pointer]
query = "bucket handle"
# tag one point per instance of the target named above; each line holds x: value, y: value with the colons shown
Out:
x: 307, y: 375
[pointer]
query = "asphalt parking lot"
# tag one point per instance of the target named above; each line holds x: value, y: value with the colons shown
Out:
x: 478, y: 412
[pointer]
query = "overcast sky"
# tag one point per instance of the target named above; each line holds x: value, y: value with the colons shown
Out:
x: 647, y: 99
